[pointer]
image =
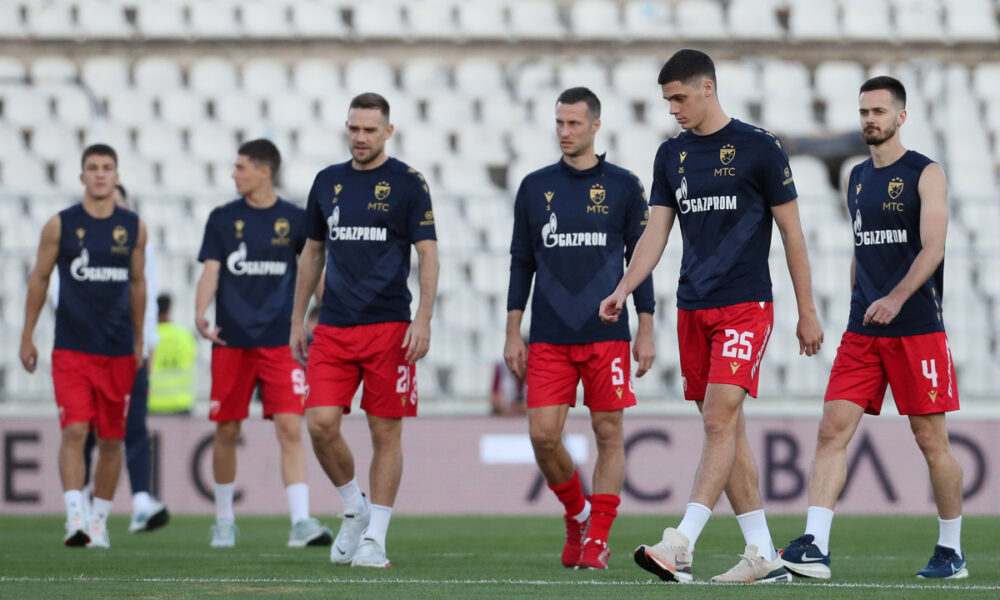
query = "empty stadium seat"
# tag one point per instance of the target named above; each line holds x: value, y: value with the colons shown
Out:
x: 755, y: 20
x: 971, y: 20
x: 596, y: 20
x: 535, y: 19
x: 369, y: 75
x: 431, y: 19
x: 425, y: 76
x: 11, y: 23
x: 649, y: 20
x: 318, y: 19
x: 814, y: 20
x: 379, y: 20
x: 866, y: 19
x: 52, y: 69
x: 157, y: 74
x: 482, y: 20
x: 265, y: 19
x: 103, y: 20
x: 700, y: 20
x: 919, y: 20
x: 216, y: 19
x: 479, y: 77
x: 52, y: 20
x: 161, y: 20
x: 213, y: 74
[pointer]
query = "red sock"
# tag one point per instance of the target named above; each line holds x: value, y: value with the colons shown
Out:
x: 603, y: 510
x: 571, y: 495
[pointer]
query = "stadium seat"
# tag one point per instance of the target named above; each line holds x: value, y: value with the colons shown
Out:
x: 531, y: 76
x: 449, y: 112
x: 105, y: 73
x: 24, y: 106
x: 212, y: 74
x: 866, y: 20
x: 161, y: 20
x: 986, y: 81
x: 700, y: 20
x: 182, y: 175
x: 133, y: 108
x: 649, y: 20
x: 755, y: 20
x: 52, y: 141
x: 322, y: 143
x: 431, y: 19
x: 379, y: 20
x: 424, y: 76
x: 317, y: 19
x: 500, y: 112
x: 265, y: 19
x: 214, y: 20
x: 479, y: 77
x: 369, y: 75
x: 316, y: 77
x: 584, y: 71
x: 182, y: 108
x: 482, y: 20
x: 159, y: 141
x: 738, y: 82
x: 919, y: 20
x: 292, y: 110
x: 838, y: 78
x: 814, y: 20
x: 157, y: 74
x: 596, y: 20
x: 971, y: 21
x: 72, y: 104
x: 12, y: 69
x: 51, y: 21
x: 635, y: 78
x: 263, y: 76
x: 212, y: 142
x: 52, y: 69
x: 11, y: 23
x: 23, y: 176
x: 109, y: 132
x: 103, y: 20
x: 535, y: 19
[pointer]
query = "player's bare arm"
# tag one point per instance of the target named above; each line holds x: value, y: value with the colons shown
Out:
x: 137, y: 292
x: 809, y: 330
x: 933, y: 191
x: 644, y: 348
x: 38, y: 287
x: 208, y: 284
x: 648, y: 251
x: 417, y: 340
x: 311, y: 264
x: 515, y: 353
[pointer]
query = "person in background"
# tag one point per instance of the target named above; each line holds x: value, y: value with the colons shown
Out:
x: 171, y: 378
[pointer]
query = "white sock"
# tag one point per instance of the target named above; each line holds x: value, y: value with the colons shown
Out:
x: 379, y: 524
x: 298, y: 501
x: 74, y: 502
x: 754, y: 527
x: 224, y: 501
x: 102, y: 508
x: 695, y: 518
x: 354, y: 500
x: 950, y: 534
x: 584, y: 514
x: 818, y: 523
x: 141, y: 501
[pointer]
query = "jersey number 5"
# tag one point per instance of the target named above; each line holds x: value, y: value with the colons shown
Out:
x: 617, y: 374
x: 737, y: 344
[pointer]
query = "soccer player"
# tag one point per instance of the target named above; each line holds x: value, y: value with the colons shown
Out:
x: 99, y: 249
x: 895, y: 334
x: 361, y: 218
x: 148, y: 513
x: 249, y: 253
x: 725, y: 180
x: 575, y: 222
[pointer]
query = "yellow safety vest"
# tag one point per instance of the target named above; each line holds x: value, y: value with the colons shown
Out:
x: 171, y: 380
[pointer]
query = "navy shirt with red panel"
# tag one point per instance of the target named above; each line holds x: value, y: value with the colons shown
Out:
x: 572, y: 229
x: 368, y: 221
x: 884, y: 204
x: 258, y: 250
x: 94, y: 313
x: 723, y: 186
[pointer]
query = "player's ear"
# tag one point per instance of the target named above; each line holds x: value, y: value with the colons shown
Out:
x: 901, y: 117
x: 597, y: 124
x: 388, y: 130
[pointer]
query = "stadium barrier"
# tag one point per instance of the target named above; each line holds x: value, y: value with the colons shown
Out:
x: 472, y: 465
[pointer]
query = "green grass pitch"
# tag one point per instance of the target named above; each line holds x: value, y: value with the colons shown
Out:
x: 470, y: 557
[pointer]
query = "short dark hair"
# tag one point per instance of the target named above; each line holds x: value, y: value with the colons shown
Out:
x: 371, y: 100
x: 884, y: 82
x: 163, y: 302
x: 262, y: 151
x: 121, y: 190
x: 581, y: 94
x: 686, y: 65
x: 99, y: 150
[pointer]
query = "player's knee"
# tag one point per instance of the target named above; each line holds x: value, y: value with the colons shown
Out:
x: 609, y: 434
x: 930, y: 440
x: 544, y: 440
x: 719, y: 423
x: 227, y: 432
x: 832, y: 434
x: 109, y: 445
x: 323, y: 427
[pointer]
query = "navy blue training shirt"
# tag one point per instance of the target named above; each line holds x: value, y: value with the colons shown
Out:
x: 368, y: 220
x: 258, y: 249
x: 572, y: 230
x: 94, y: 313
x: 884, y: 204
x: 723, y: 186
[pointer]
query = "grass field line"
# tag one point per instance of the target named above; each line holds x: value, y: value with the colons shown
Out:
x: 416, y: 581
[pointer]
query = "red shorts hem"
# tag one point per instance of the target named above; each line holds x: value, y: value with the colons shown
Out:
x: 605, y: 368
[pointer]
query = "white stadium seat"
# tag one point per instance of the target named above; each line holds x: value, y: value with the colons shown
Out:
x: 212, y: 74
x: 103, y: 20
x: 11, y: 24
x: 814, y: 20
x: 216, y: 19
x: 422, y: 76
x: 161, y: 20
x: 378, y: 20
x: 369, y: 75
x: 482, y: 20
x: 24, y: 106
x: 159, y: 141
x: 52, y: 69
x: 52, y: 20
x: 211, y: 142
x: 431, y: 19
x: 265, y: 19
x: 156, y: 74
x: 262, y: 76
x: 866, y: 19
x: 596, y: 20
x: 700, y: 20
x: 317, y: 19
x: 12, y: 69
x: 479, y: 77
x: 919, y: 20
x: 105, y: 73
x: 755, y: 20
x: 649, y: 20
x: 130, y: 107
x: 182, y: 108
x: 535, y: 19
x: 971, y: 20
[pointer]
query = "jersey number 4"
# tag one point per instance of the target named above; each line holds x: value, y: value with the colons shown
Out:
x: 737, y: 344
x: 930, y: 371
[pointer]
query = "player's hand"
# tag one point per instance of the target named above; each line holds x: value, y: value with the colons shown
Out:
x: 298, y: 342
x: 138, y: 355
x: 515, y: 354
x: 29, y: 356
x: 643, y: 351
x: 611, y: 307
x: 882, y: 311
x: 417, y: 340
x: 206, y: 331
x: 810, y: 334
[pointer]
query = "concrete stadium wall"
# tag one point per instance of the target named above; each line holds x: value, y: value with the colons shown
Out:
x: 485, y: 465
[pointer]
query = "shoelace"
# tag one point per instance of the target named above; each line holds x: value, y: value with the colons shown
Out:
x: 941, y: 556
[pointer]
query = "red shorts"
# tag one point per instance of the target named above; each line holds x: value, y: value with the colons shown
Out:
x: 94, y: 389
x: 918, y: 367
x: 237, y: 371
x: 723, y: 345
x: 554, y: 370
x: 340, y: 358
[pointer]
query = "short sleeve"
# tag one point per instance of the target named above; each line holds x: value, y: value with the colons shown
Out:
x: 661, y: 194
x: 315, y: 225
x: 421, y: 215
x: 211, y: 242
x: 774, y: 174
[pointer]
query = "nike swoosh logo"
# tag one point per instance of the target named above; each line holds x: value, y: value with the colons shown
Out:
x: 811, y: 559
x: 340, y: 550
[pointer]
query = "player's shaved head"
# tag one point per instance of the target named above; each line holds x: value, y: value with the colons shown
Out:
x: 890, y: 84
x: 371, y: 100
x: 581, y: 94
x: 686, y: 66
x: 99, y: 150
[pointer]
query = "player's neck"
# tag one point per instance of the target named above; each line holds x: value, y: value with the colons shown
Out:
x: 583, y: 161
x: 887, y: 152
x: 714, y: 120
x: 370, y: 165
x: 262, y: 198
x: 99, y: 208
